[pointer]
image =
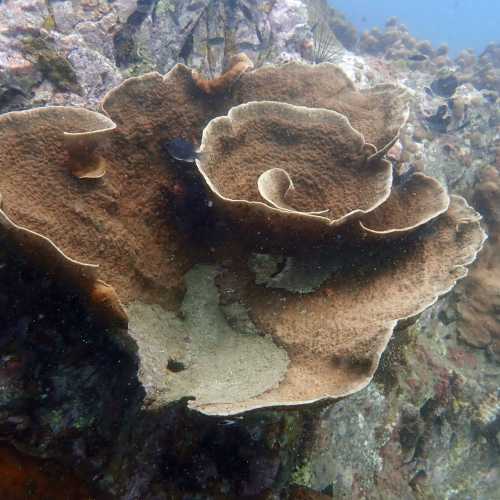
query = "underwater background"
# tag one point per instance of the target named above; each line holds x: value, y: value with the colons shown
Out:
x: 461, y: 24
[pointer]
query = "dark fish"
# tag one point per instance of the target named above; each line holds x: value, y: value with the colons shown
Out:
x: 464, y: 125
x: 181, y: 150
x: 213, y: 42
x: 417, y: 57
x: 440, y: 120
x: 187, y: 196
x: 442, y: 111
x: 247, y: 46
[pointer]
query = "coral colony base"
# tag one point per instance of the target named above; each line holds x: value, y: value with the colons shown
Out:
x: 304, y: 253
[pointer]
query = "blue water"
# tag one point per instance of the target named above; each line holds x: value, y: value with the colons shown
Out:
x: 459, y: 23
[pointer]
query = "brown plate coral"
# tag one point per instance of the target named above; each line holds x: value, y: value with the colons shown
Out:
x: 297, y: 168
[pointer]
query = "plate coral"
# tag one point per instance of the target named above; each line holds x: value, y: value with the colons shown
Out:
x: 303, y: 255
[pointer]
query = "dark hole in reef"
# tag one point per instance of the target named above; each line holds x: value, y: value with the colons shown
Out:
x: 357, y: 366
x: 444, y: 318
x: 235, y: 450
x: 64, y: 369
x: 428, y: 408
x: 175, y: 365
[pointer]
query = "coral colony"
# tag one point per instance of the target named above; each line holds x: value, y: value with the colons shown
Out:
x: 292, y: 163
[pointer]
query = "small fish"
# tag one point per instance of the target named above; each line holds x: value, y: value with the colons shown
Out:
x: 442, y: 111
x: 187, y: 194
x: 417, y: 57
x: 464, y: 125
x: 181, y: 150
x: 213, y: 42
x: 247, y: 46
x: 230, y: 421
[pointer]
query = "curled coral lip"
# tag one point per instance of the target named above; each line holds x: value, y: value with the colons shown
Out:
x: 274, y: 185
x: 82, y: 141
x: 412, y: 204
x: 81, y: 132
x: 220, y: 165
x: 326, y: 172
x: 82, y: 148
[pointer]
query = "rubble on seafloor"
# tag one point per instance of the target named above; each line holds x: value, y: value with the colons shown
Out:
x: 428, y: 426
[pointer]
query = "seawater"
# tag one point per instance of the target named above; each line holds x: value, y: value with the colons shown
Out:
x: 459, y: 23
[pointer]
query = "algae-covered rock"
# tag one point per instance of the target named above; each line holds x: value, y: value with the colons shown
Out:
x: 52, y: 65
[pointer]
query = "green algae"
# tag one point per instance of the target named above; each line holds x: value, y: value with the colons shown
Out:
x: 52, y: 64
x: 165, y: 7
x: 142, y: 63
x: 303, y: 475
x: 49, y: 24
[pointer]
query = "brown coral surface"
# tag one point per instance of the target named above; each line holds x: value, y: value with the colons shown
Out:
x: 378, y: 113
x: 213, y: 333
x: 305, y: 166
x: 301, y: 167
x: 238, y: 64
x: 113, y: 222
x: 479, y: 303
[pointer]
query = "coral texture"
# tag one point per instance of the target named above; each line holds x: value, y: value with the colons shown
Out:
x: 479, y: 305
x: 323, y: 172
x: 302, y: 347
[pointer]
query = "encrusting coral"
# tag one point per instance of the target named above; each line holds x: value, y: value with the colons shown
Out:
x: 308, y: 157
